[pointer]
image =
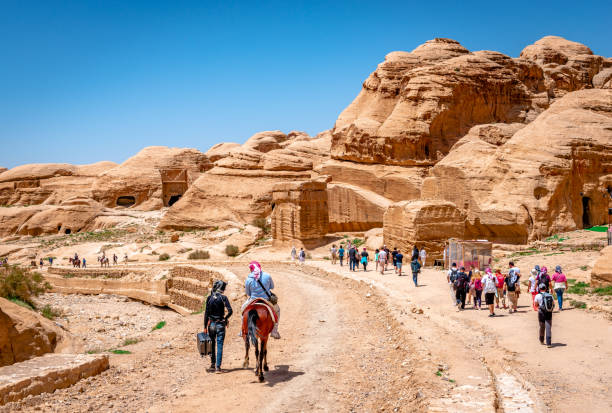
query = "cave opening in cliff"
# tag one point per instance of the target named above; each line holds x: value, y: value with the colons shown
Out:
x: 173, y: 199
x: 586, y: 212
x: 126, y: 201
x: 67, y: 231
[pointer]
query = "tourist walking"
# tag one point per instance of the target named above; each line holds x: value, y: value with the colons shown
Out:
x: 399, y: 258
x: 352, y: 253
x: 415, y: 253
x: 41, y: 263
x: 382, y: 259
x: 293, y: 254
x: 451, y: 276
x: 423, y: 255
x: 477, y: 283
x: 560, y: 285
x: 376, y: 258
x: 533, y: 289
x: 544, y: 278
x: 84, y: 263
x: 215, y: 322
x: 341, y: 255
x: 489, y: 289
x: 393, y: 254
x: 461, y: 285
x: 512, y: 282
x: 470, y: 287
x: 333, y: 252
x: 500, y: 293
x: 364, y: 259
x: 302, y: 256
x: 115, y: 259
x: 545, y: 303
x: 415, y: 266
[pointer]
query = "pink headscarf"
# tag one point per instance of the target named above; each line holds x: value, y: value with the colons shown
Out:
x: 488, y: 270
x: 255, y: 268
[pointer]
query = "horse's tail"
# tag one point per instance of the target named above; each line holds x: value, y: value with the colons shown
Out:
x: 252, y: 326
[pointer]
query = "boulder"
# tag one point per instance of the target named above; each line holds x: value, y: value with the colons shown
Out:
x: 221, y: 150
x: 25, y: 334
x: 374, y: 238
x: 427, y: 224
x: 137, y: 182
x: 300, y: 213
x: 601, y: 275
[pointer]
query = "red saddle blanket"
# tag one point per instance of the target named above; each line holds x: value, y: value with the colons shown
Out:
x: 263, y: 303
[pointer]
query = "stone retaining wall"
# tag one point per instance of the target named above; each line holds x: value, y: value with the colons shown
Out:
x: 47, y: 373
x: 188, y: 286
x: 109, y: 272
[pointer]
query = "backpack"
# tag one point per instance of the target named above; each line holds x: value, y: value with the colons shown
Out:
x: 459, y: 282
x: 548, y: 303
x: 478, y: 284
x: 454, y: 275
x: 512, y: 279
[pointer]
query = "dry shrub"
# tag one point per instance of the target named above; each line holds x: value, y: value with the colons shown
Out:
x: 231, y: 250
x: 199, y: 255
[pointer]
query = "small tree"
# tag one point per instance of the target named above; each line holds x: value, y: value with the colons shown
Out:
x: 164, y: 257
x: 231, y: 250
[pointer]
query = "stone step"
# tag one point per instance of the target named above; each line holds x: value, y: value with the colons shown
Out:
x: 47, y: 373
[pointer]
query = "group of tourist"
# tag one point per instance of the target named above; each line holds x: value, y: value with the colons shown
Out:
x: 497, y: 287
x: 382, y: 258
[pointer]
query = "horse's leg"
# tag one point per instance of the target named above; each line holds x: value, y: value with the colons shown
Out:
x: 257, y: 361
x: 245, y: 365
x: 260, y: 360
x: 265, y: 355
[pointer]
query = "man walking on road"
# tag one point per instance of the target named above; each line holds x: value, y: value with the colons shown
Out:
x: 382, y: 259
x: 398, y: 261
x: 461, y: 284
x: 490, y: 287
x: 545, y: 304
x: 416, y: 268
x: 452, y: 275
x: 352, y: 258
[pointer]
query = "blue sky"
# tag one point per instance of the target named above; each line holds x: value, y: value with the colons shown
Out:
x: 83, y: 81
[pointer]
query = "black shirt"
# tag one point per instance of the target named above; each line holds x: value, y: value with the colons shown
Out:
x: 352, y: 253
x: 216, y: 303
x: 399, y: 257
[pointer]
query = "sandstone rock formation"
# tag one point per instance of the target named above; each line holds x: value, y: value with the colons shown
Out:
x: 549, y: 177
x: 601, y: 275
x: 416, y: 105
x: 427, y: 224
x: 567, y: 65
x: 36, y: 184
x: 300, y: 213
x: 352, y: 208
x: 239, y: 187
x: 25, y: 334
x: 137, y: 182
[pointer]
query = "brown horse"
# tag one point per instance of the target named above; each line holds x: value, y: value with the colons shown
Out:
x: 257, y: 323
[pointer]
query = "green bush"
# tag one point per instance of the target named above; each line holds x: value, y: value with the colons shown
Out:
x: 159, y: 326
x: 603, y: 290
x: 50, y: 312
x: 579, y: 288
x: 164, y: 257
x: 22, y: 284
x: 231, y: 250
x: 199, y: 255
x: 357, y: 242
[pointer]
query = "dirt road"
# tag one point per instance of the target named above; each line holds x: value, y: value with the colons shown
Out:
x: 340, y: 351
x: 571, y: 376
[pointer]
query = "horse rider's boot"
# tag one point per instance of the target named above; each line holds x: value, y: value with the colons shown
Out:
x: 274, y: 333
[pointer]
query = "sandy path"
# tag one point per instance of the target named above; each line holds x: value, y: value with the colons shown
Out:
x: 339, y: 351
x: 572, y: 376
